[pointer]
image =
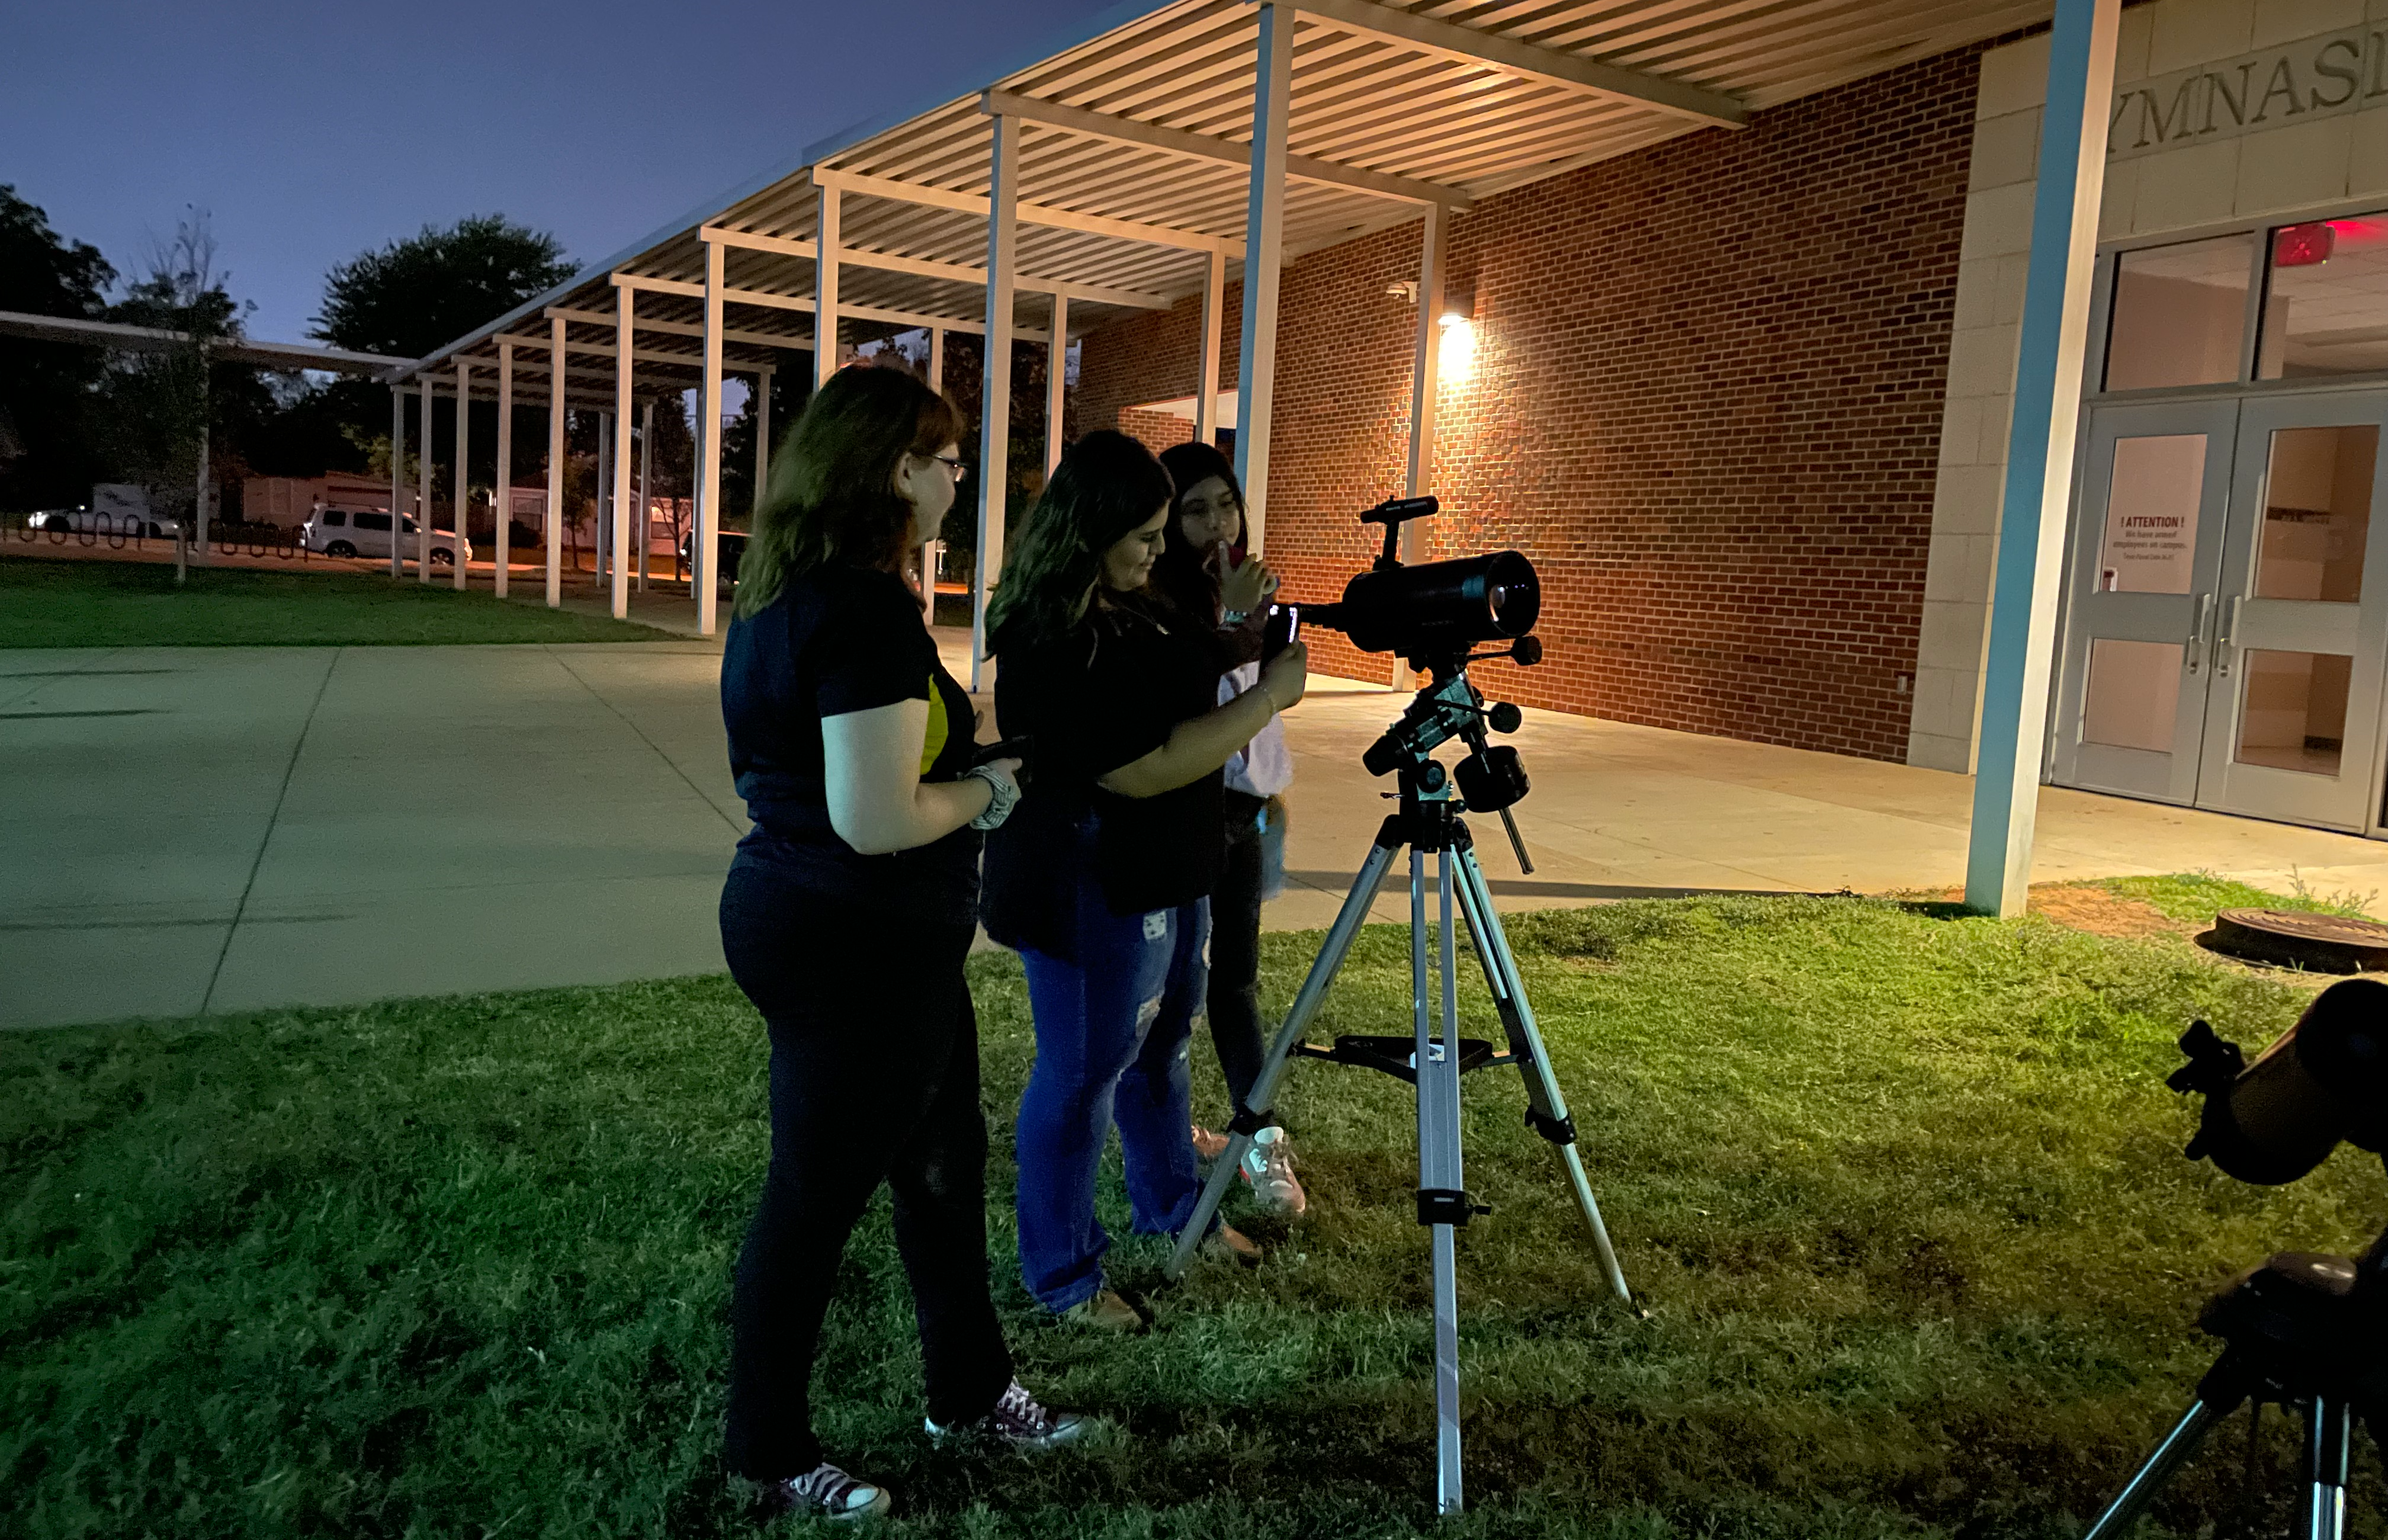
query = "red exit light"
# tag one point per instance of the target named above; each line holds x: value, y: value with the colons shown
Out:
x: 2304, y: 244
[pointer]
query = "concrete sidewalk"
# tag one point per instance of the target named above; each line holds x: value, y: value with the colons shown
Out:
x: 209, y: 830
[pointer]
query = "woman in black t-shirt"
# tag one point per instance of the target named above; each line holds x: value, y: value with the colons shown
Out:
x: 1100, y: 878
x: 845, y: 919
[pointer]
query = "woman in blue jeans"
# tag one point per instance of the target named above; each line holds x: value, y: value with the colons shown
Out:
x: 1100, y: 878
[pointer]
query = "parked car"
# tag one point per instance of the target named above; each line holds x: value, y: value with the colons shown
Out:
x: 74, y: 521
x: 728, y: 544
x: 341, y: 532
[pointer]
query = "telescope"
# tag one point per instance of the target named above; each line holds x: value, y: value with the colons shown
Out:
x: 2303, y: 1329
x: 1433, y: 613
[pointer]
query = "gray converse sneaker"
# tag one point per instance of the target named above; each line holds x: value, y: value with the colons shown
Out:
x: 1018, y: 1422
x: 1268, y: 1165
x: 825, y: 1492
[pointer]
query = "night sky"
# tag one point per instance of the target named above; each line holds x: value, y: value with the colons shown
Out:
x: 312, y: 132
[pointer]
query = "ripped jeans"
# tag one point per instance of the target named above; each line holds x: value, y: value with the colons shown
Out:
x: 1112, y: 1034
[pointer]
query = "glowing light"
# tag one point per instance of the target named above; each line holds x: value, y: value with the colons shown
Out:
x: 1457, y: 362
x: 2304, y: 244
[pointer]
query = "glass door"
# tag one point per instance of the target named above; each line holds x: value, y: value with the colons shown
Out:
x: 2300, y: 626
x: 2140, y: 599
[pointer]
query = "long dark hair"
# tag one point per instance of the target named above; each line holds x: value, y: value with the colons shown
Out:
x: 1106, y: 486
x: 1182, y: 572
x: 832, y: 496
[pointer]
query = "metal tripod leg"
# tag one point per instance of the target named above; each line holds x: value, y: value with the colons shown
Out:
x: 1348, y: 921
x: 2329, y: 1424
x: 2161, y: 1466
x: 1546, y: 1108
x: 1442, y: 1199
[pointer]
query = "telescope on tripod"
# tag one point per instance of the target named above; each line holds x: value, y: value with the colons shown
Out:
x: 2303, y: 1329
x: 1437, y: 616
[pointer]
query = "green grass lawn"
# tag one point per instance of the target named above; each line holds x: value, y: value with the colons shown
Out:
x: 47, y: 602
x: 1905, y: 1190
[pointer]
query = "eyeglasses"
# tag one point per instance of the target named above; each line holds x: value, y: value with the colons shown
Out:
x: 953, y: 464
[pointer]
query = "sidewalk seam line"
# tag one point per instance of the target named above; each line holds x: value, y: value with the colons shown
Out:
x: 669, y: 762
x: 257, y: 862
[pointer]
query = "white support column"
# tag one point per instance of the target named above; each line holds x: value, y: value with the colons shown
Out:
x: 421, y: 492
x: 602, y: 534
x: 463, y: 488
x: 626, y: 339
x: 2040, y: 454
x: 825, y: 291
x: 644, y: 521
x: 501, y: 495
x: 995, y: 413
x: 929, y: 548
x: 554, y: 523
x: 1426, y: 370
x: 762, y: 441
x: 397, y: 474
x: 1263, y: 252
x: 1057, y: 366
x: 1214, y: 322
x: 706, y: 578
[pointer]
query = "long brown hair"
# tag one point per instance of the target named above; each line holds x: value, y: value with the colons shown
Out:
x: 1105, y: 487
x: 1182, y: 574
x: 832, y: 496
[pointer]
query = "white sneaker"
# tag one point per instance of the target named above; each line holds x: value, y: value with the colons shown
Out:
x: 1268, y: 1165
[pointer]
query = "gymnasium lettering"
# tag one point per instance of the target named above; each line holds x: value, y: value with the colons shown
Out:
x: 2320, y: 76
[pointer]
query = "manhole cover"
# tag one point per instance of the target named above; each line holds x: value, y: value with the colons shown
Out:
x: 2290, y: 938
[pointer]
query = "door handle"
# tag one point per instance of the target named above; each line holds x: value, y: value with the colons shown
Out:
x: 2222, y: 643
x: 2197, y: 631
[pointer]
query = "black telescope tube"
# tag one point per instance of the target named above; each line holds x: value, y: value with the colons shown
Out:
x: 1440, y: 607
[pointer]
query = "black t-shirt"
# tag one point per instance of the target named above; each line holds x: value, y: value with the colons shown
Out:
x: 1106, y: 695
x: 841, y: 638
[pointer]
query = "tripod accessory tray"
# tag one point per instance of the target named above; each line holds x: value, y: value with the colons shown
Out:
x: 1398, y: 1056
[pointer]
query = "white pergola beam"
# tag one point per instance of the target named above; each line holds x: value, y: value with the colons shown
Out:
x: 625, y: 404
x: 503, y: 494
x: 558, y: 390
x: 1215, y: 321
x: 1532, y: 61
x: 804, y: 302
x: 462, y: 490
x: 2054, y: 342
x: 825, y: 288
x: 922, y: 267
x: 995, y: 398
x: 1029, y: 213
x: 397, y: 474
x: 1264, y: 236
x: 689, y: 328
x: 1203, y: 146
x: 705, y: 543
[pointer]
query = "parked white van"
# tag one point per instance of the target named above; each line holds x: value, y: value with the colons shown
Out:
x: 341, y: 532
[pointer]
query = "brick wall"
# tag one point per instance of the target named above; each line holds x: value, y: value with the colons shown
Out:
x: 1705, y: 399
x: 1157, y: 431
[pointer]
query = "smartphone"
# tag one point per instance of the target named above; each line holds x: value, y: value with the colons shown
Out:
x: 1009, y: 748
x: 1282, y: 629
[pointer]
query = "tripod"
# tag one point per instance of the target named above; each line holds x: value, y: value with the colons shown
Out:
x: 1433, y: 1056
x: 2303, y: 1329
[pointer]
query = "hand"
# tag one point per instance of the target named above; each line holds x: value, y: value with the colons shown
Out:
x: 1286, y: 678
x: 1008, y: 768
x: 1244, y: 588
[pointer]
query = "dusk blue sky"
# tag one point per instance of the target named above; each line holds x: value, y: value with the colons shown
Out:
x: 312, y: 132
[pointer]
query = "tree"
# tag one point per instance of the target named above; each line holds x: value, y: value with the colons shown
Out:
x: 158, y: 403
x: 416, y: 295
x: 409, y: 299
x: 46, y: 387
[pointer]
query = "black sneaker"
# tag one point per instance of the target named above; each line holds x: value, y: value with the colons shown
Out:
x: 825, y: 1492
x: 1018, y: 1422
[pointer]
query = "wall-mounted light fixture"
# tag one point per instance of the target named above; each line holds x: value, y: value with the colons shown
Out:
x: 1457, y: 364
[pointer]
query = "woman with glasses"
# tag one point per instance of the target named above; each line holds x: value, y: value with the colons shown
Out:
x: 1101, y: 879
x: 845, y: 919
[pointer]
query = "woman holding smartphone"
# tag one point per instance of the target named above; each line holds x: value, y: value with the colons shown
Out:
x: 1204, y: 572
x: 845, y: 919
x: 1101, y: 878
